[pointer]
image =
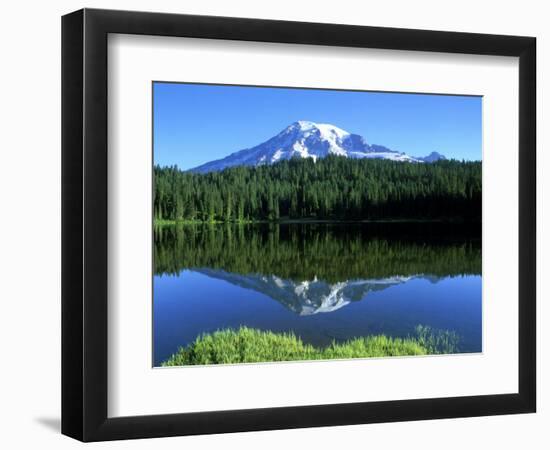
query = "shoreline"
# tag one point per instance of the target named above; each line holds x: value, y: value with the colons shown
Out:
x: 449, y: 221
x: 251, y: 345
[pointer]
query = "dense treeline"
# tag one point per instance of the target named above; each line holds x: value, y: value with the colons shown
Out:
x: 331, y: 253
x: 333, y: 188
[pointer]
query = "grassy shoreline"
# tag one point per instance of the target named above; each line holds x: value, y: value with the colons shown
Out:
x: 248, y: 345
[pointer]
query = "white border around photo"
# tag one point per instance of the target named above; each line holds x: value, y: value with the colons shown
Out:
x: 136, y: 388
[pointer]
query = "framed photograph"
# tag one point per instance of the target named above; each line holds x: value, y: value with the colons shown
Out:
x: 273, y: 224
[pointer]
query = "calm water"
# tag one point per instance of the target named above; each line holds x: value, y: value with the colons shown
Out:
x: 323, y: 282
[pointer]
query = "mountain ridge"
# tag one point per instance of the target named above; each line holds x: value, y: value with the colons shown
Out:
x: 306, y: 139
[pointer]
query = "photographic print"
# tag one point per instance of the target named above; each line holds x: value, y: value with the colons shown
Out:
x: 297, y: 224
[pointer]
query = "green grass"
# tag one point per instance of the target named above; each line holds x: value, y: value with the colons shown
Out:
x: 437, y: 341
x: 247, y: 345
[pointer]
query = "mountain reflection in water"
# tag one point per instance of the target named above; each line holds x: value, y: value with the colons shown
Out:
x: 323, y: 282
x: 306, y: 297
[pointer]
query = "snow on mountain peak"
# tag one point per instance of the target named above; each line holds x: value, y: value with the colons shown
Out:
x: 325, y: 130
x: 306, y: 139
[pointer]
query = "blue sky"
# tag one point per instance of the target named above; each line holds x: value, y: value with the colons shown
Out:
x: 195, y: 123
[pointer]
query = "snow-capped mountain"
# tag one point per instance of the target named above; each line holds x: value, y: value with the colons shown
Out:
x: 305, y: 139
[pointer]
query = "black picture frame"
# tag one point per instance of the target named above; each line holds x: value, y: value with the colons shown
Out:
x: 84, y: 224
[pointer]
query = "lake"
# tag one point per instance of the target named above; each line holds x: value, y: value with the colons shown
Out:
x: 324, y: 282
